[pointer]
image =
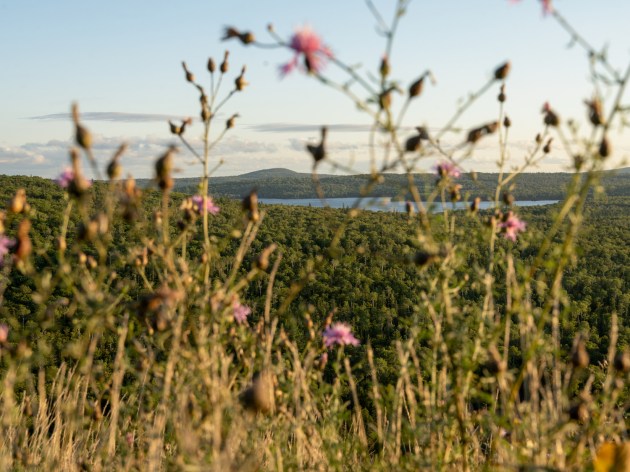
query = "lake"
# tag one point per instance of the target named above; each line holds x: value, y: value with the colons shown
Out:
x: 384, y: 204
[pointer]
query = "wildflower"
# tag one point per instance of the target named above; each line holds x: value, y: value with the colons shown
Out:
x: 65, y: 177
x: 511, y: 226
x: 5, y: 244
x: 551, y: 118
x: 241, y: 312
x: 339, y: 333
x: 4, y: 333
x: 447, y: 169
x: 306, y: 42
x: 211, y: 208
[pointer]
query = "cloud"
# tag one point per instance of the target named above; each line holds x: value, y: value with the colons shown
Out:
x: 308, y: 128
x: 112, y: 116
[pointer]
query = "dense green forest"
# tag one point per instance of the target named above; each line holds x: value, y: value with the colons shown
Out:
x: 370, y: 281
x: 283, y: 183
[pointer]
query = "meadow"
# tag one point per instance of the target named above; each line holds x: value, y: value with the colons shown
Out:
x: 144, y: 328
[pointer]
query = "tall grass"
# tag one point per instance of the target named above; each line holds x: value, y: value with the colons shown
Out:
x: 167, y: 370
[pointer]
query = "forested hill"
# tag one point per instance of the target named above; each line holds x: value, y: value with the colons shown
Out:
x: 284, y: 183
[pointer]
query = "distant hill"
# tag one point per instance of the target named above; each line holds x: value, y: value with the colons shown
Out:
x: 285, y: 183
x: 269, y: 173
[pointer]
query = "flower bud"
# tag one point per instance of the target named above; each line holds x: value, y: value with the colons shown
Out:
x: 507, y: 122
x: 502, y: 71
x: 318, y: 152
x: 415, y: 89
x: 246, y: 38
x: 384, y: 69
x: 250, y: 206
x: 230, y: 122
x: 595, y: 113
x: 240, y: 81
x: 211, y: 66
x: 225, y: 64
x: 474, y: 206
x: 259, y: 396
x: 18, y: 203
x: 547, y: 146
x: 190, y: 77
x: 23, y: 247
x: 550, y: 119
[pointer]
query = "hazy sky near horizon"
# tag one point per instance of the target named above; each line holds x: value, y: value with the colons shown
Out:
x: 121, y: 61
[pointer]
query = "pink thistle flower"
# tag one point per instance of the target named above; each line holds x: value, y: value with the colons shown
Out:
x: 65, y: 177
x: 307, y: 43
x: 211, y: 208
x: 4, y: 333
x: 546, y: 5
x: 511, y: 226
x: 447, y: 169
x: 5, y: 244
x: 241, y: 312
x: 339, y: 333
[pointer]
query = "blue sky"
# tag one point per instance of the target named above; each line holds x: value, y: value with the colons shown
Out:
x: 121, y: 61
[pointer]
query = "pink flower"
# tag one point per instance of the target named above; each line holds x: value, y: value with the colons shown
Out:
x: 447, y: 169
x: 4, y: 333
x: 211, y: 208
x: 5, y: 244
x: 546, y: 4
x: 511, y: 226
x: 306, y: 42
x: 339, y: 333
x: 241, y: 312
x: 65, y: 177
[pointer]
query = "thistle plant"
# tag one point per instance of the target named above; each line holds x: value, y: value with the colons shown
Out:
x: 145, y: 348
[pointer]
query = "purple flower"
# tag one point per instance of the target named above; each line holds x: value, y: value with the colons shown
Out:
x: 339, y: 333
x: 447, y: 169
x: 306, y: 42
x: 65, y: 177
x: 511, y: 226
x: 4, y: 333
x: 211, y: 208
x: 5, y: 245
x: 241, y: 312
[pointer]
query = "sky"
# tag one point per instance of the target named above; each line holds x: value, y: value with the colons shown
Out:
x: 120, y: 60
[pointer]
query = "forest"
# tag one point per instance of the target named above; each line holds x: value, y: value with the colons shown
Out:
x: 183, y: 324
x: 281, y: 183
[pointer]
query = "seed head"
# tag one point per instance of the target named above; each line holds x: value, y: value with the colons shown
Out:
x: 595, y: 113
x: 246, y: 37
x: 225, y: 64
x: 550, y: 118
x: 384, y: 69
x: 190, y: 77
x: 250, y: 206
x: 318, y: 152
x: 415, y: 89
x: 502, y: 71
x: 240, y: 81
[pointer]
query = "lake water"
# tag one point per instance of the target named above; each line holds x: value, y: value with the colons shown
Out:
x: 384, y: 204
